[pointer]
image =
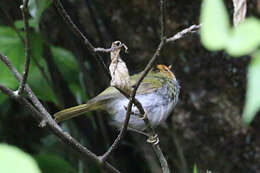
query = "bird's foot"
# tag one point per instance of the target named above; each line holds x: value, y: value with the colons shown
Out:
x: 144, y: 116
x: 153, y: 139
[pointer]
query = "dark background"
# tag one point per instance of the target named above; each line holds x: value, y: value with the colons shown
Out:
x: 205, y: 128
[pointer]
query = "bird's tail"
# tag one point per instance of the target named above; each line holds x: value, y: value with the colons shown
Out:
x: 71, y: 112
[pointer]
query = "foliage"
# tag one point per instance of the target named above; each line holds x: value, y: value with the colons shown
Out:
x: 237, y: 41
x: 14, y: 160
x: 53, y: 163
x: 195, y: 169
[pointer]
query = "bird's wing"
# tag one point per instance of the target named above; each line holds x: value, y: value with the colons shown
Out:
x: 148, y: 85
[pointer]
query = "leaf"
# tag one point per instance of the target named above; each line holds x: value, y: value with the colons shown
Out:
x: 245, y: 38
x: 252, y: 104
x: 2, y: 97
x: 14, y: 160
x: 69, y: 69
x: 36, y: 8
x: 19, y: 24
x: 195, y: 169
x: 12, y: 47
x: 52, y: 163
x: 215, y: 24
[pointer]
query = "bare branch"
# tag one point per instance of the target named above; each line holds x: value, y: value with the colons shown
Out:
x: 162, y: 11
x: 76, y: 31
x: 191, y: 29
x: 24, y: 9
x: 46, y: 119
x: 163, y: 161
x: 239, y: 11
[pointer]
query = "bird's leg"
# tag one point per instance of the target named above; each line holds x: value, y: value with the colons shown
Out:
x: 153, y: 139
x: 144, y: 116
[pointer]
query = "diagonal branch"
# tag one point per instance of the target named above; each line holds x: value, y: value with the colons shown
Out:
x: 162, y: 18
x: 45, y: 118
x: 24, y: 9
x: 191, y: 29
x: 81, y: 36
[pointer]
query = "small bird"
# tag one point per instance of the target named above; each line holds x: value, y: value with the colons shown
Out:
x: 158, y: 94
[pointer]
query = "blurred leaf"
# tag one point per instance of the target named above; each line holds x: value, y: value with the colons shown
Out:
x: 36, y: 8
x: 69, y: 69
x: 215, y: 24
x: 39, y: 85
x: 19, y: 24
x: 14, y: 160
x: 52, y: 163
x: 12, y: 47
x: 252, y: 104
x: 245, y: 38
x: 2, y: 97
x: 195, y: 169
x: 65, y: 58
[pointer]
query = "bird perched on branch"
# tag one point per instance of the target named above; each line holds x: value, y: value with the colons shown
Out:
x: 158, y: 93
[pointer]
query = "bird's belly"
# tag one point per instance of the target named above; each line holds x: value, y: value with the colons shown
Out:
x: 158, y: 109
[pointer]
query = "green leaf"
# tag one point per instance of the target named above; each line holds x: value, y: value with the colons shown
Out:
x: 12, y: 47
x: 245, y: 38
x: 252, y: 104
x: 36, y: 8
x: 14, y: 160
x: 2, y: 97
x: 19, y: 24
x: 65, y: 59
x: 51, y: 163
x: 215, y: 24
x: 69, y: 69
x: 195, y: 169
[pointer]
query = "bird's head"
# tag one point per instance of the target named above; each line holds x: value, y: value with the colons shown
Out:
x: 166, y: 70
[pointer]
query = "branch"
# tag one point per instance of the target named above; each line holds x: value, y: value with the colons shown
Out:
x: 24, y: 9
x: 191, y: 29
x: 80, y: 35
x: 162, y: 18
x: 45, y: 118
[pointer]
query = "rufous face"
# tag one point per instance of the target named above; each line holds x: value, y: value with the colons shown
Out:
x: 166, y: 69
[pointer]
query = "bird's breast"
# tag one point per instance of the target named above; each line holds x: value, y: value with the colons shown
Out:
x: 158, y: 105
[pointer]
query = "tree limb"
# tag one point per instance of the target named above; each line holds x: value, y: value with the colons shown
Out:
x: 24, y: 9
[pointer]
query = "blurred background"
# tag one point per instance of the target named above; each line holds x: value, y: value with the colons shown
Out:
x: 204, y: 129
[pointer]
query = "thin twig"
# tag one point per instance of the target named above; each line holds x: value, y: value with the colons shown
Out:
x: 191, y: 29
x: 162, y: 18
x: 163, y: 161
x: 24, y: 9
x: 76, y: 31
x: 43, y: 116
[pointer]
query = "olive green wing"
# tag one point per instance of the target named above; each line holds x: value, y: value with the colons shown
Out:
x: 149, y: 84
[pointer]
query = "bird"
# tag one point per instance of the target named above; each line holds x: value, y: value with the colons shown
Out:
x: 158, y: 93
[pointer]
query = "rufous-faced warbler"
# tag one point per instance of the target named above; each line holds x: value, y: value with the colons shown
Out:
x: 158, y: 94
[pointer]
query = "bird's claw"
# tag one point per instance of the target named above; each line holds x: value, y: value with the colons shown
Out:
x: 153, y: 139
x: 144, y: 116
